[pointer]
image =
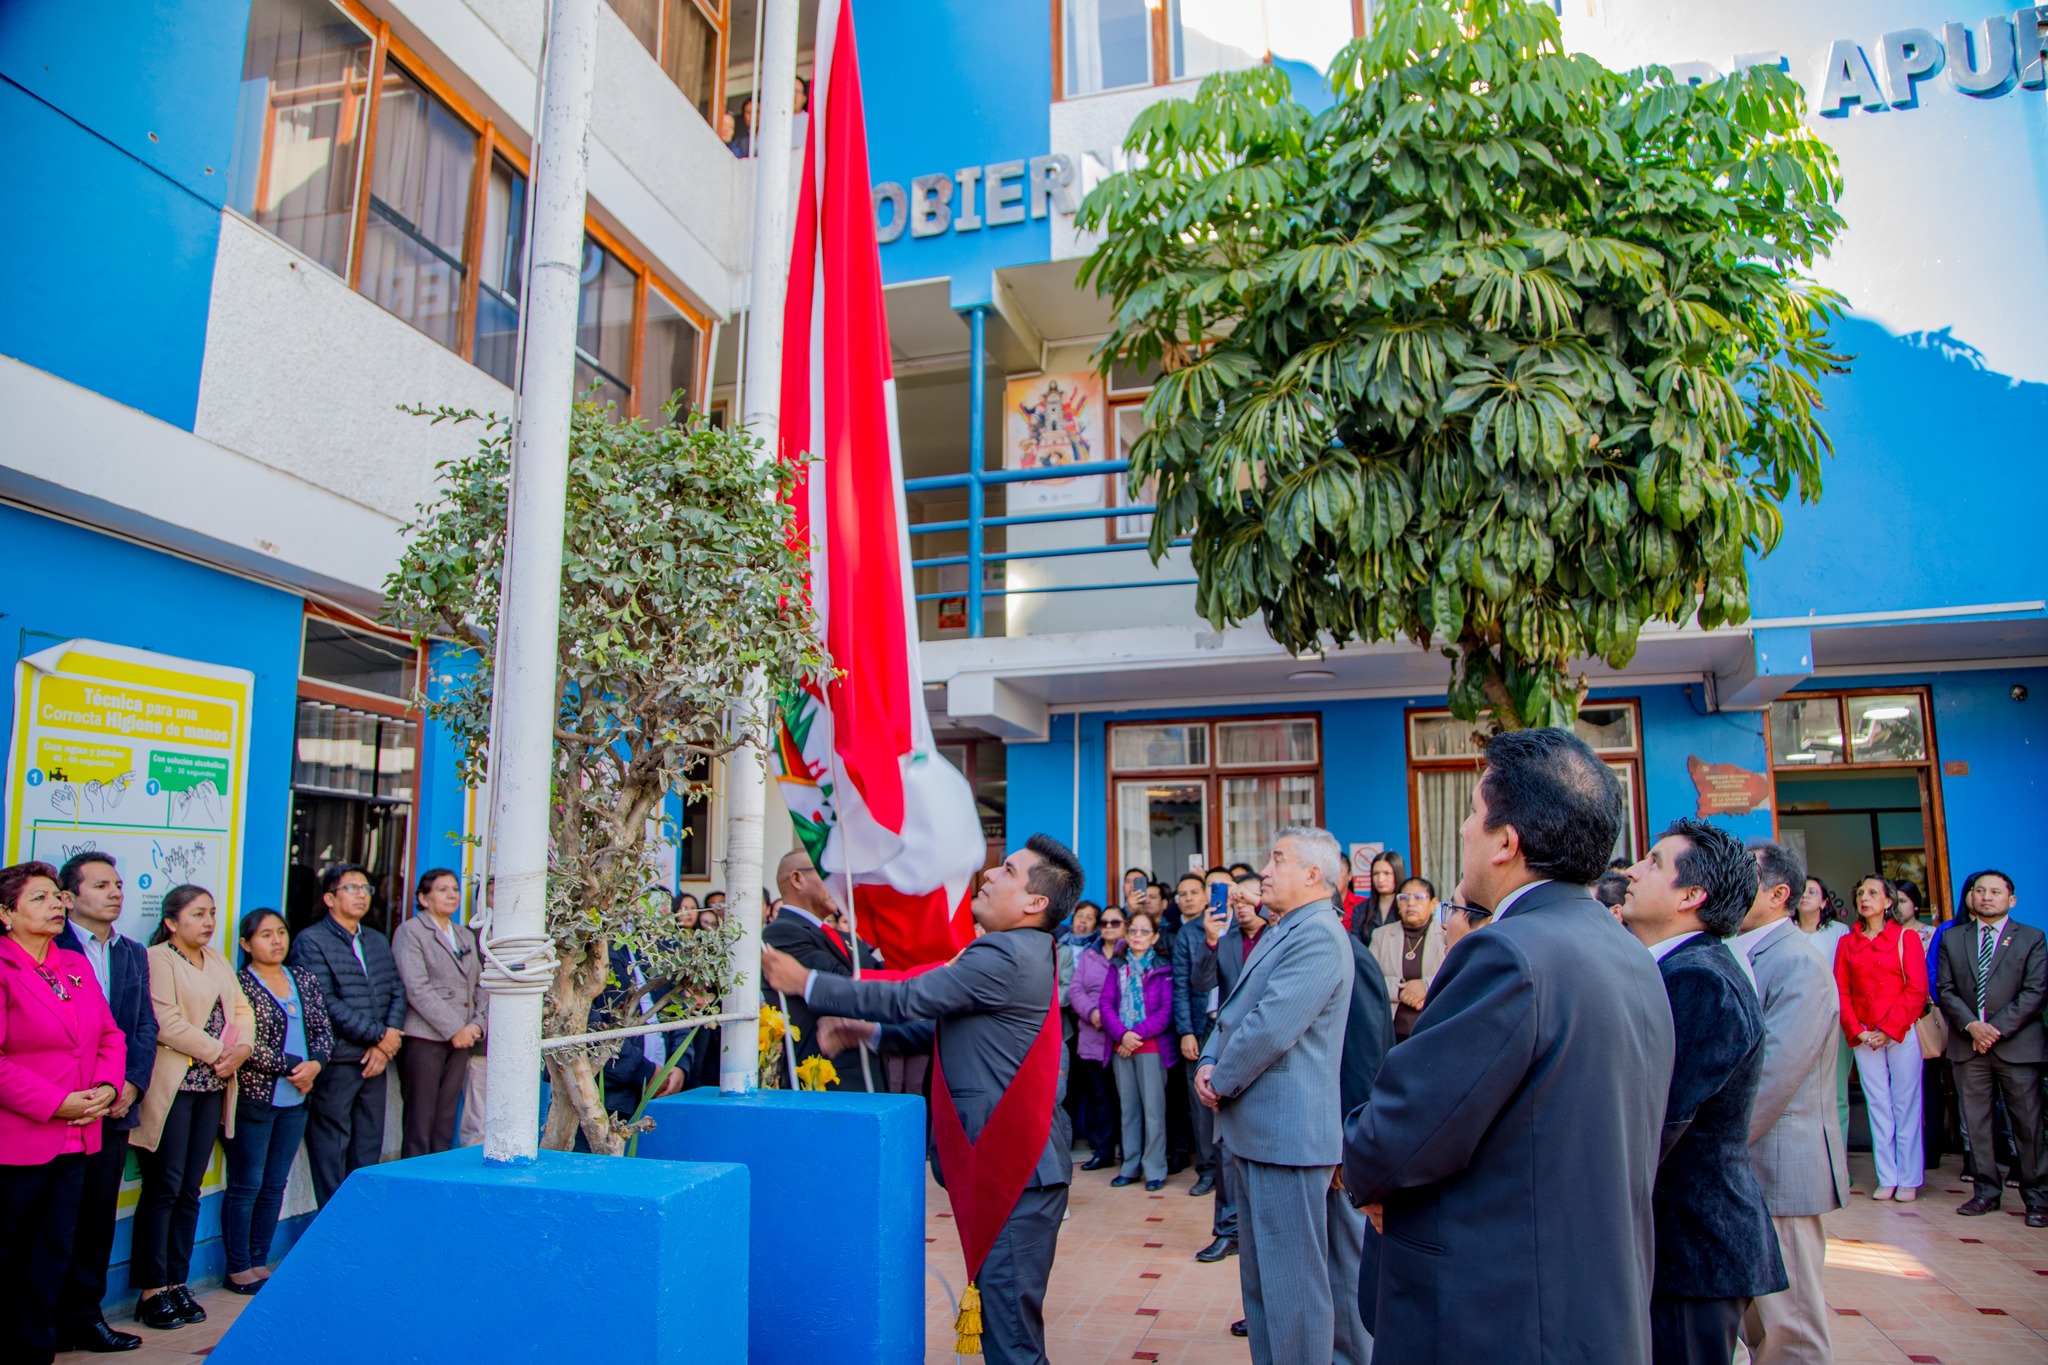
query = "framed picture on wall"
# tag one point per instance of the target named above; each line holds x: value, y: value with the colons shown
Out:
x: 952, y: 613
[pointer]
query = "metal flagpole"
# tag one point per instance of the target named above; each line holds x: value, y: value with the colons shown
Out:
x: 519, y: 958
x: 746, y: 777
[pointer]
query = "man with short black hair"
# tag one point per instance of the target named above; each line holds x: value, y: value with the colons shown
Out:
x: 92, y: 901
x: 986, y: 1013
x: 1795, y: 1144
x: 1514, y: 1135
x: 1991, y: 983
x: 1193, y: 962
x: 1716, y: 1249
x: 358, y: 979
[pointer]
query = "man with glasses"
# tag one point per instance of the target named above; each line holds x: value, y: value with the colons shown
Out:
x: 366, y: 1004
x: 1508, y: 1150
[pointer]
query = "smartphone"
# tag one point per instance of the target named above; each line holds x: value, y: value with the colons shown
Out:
x: 1219, y: 902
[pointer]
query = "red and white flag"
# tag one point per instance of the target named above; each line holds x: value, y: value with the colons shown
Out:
x: 869, y: 792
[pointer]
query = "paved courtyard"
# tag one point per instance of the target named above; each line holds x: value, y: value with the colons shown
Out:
x: 1907, y: 1283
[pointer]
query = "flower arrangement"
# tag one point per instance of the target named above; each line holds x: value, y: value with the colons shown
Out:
x: 816, y: 1073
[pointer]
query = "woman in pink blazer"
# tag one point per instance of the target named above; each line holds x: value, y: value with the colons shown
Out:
x: 61, y: 1067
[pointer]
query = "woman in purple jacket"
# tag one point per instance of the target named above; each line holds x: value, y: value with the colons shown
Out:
x: 1137, y: 1005
x: 1092, y: 1078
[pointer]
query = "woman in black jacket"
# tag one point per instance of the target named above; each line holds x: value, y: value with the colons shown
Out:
x: 293, y: 1041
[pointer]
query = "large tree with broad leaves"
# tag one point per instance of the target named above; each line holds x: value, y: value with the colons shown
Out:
x: 1504, y: 352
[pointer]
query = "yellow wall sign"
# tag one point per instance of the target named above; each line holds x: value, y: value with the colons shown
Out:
x: 137, y: 755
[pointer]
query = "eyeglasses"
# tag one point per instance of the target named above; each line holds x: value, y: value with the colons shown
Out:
x: 353, y: 889
x: 1112, y: 924
x: 1412, y: 897
x: 1476, y: 914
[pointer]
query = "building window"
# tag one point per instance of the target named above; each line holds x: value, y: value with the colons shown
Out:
x: 344, y: 656
x: 1210, y: 791
x: 1444, y: 764
x: 440, y: 238
x: 688, y: 40
x: 1104, y: 45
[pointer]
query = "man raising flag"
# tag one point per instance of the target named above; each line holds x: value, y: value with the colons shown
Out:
x: 873, y: 801
x: 1000, y: 1136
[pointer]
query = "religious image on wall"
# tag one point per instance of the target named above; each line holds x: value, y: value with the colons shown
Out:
x: 1051, y: 420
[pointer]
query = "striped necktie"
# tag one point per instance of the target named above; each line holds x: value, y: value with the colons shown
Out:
x: 1987, y: 940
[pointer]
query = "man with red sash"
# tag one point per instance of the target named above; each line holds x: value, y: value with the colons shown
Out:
x: 999, y: 1134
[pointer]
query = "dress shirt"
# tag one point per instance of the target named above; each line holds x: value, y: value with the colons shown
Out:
x: 651, y: 1046
x: 1744, y: 944
x: 1517, y: 894
x: 1670, y: 945
x: 100, y: 955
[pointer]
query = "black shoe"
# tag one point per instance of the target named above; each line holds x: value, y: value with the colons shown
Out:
x: 1239, y: 1329
x: 1122, y: 1181
x: 187, y: 1305
x: 1154, y: 1186
x: 2037, y: 1218
x: 1175, y: 1165
x: 244, y: 1289
x: 98, y: 1338
x: 160, y: 1311
x: 1098, y: 1162
x: 1217, y: 1250
x: 1978, y: 1205
x: 1205, y: 1185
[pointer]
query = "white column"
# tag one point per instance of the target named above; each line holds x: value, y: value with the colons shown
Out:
x: 746, y: 777
x: 519, y: 962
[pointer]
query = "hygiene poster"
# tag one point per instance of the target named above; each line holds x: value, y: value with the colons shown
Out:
x: 138, y: 755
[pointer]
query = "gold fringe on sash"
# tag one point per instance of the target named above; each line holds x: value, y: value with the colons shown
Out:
x: 967, y: 1327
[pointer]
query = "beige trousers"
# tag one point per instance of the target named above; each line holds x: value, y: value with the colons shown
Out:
x: 1792, y: 1328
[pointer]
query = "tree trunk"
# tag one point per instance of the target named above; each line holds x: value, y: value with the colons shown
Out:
x: 578, y: 1085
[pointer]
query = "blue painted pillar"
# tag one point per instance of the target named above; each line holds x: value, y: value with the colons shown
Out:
x: 838, y: 1215
x: 977, y: 409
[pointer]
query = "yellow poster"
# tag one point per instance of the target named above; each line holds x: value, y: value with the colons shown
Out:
x: 137, y: 755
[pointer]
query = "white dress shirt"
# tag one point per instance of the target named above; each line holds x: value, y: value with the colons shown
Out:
x: 99, y: 954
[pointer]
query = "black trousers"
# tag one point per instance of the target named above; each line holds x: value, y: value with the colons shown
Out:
x: 167, y: 1218
x: 1978, y: 1078
x: 344, y: 1125
x: 1180, y: 1124
x: 1012, y: 1279
x: 430, y: 1077
x: 1099, y: 1114
x: 85, y: 1283
x: 38, y: 1209
x: 1694, y: 1331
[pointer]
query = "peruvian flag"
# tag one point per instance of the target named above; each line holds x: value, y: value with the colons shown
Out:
x: 868, y: 790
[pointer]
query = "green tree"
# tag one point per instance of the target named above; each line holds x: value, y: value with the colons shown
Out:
x: 679, y: 578
x: 1504, y: 352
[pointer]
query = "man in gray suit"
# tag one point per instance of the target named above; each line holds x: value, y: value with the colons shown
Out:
x: 1511, y: 1142
x: 1795, y: 1144
x: 983, y: 1012
x: 1271, y: 1072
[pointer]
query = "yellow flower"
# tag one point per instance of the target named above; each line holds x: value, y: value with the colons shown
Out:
x: 772, y: 1026
x: 815, y: 1073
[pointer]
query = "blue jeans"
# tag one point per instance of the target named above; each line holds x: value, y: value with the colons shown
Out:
x: 259, y: 1162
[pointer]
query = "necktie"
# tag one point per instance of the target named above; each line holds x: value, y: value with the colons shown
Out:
x: 1986, y: 941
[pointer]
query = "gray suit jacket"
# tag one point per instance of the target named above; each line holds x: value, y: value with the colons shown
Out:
x: 1279, y: 1043
x: 441, y: 995
x: 989, y: 1004
x: 1795, y: 1139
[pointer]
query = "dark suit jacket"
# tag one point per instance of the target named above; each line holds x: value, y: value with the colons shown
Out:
x: 618, y: 1006
x: 2013, y: 996
x: 1368, y: 1030
x: 1714, y: 1234
x: 988, y: 1005
x: 1513, y: 1139
x: 363, y: 998
x: 825, y: 953
x: 128, y: 998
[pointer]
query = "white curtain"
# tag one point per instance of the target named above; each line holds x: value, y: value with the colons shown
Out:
x: 1442, y: 799
x: 1254, y: 807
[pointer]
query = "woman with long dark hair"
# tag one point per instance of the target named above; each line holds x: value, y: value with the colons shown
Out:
x: 1882, y: 978
x: 290, y: 1043
x: 1819, y: 916
x: 203, y: 1028
x: 62, y: 1062
x: 1379, y: 908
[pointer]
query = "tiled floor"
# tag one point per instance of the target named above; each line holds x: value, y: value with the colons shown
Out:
x: 1907, y: 1282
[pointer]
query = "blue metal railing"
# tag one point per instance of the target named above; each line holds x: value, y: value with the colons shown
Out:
x: 976, y: 482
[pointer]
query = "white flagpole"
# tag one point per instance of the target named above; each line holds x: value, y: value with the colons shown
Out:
x: 746, y: 777
x: 519, y: 958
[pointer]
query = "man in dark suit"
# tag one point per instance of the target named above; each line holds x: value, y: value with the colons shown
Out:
x: 1368, y: 1033
x: 1510, y: 1145
x: 1991, y: 982
x: 1716, y: 1249
x: 92, y: 896
x: 984, y: 1012
x: 805, y: 931
x: 366, y: 1005
x: 1232, y: 949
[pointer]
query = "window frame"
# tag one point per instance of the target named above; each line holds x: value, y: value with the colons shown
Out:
x: 490, y: 146
x: 1162, y: 51
x: 1211, y: 774
x: 1630, y: 759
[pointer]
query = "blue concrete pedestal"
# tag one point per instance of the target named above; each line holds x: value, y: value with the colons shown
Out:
x: 838, y: 1215
x: 575, y: 1257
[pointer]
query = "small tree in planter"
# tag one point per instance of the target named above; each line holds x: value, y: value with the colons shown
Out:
x: 679, y: 579
x: 1505, y: 352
